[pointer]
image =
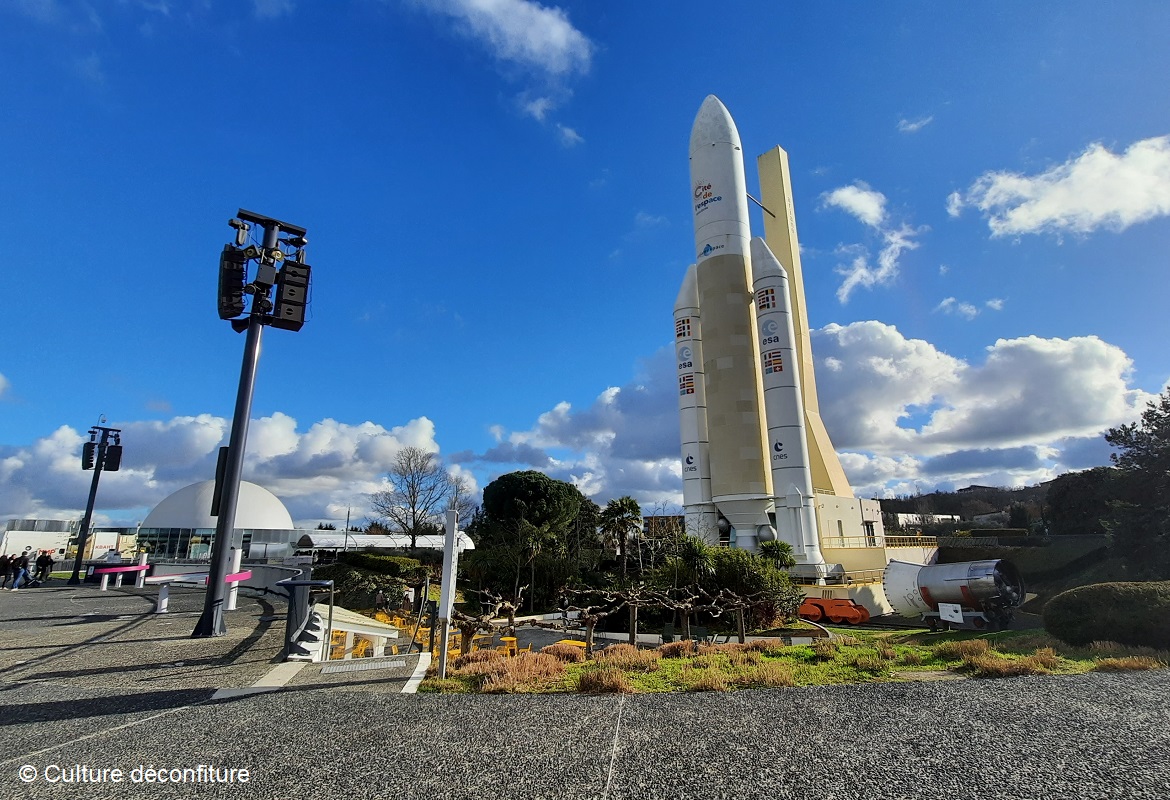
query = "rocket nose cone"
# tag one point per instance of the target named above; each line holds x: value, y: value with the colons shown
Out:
x: 688, y: 295
x: 764, y: 262
x: 713, y: 124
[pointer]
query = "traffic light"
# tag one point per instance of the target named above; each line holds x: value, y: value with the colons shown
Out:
x: 87, y: 454
x: 113, y: 458
x: 232, y: 275
x: 292, y: 293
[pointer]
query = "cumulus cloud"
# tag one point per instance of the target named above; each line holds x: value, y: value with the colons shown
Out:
x: 907, y: 411
x: 867, y: 205
x: 1097, y: 189
x: 330, y: 465
x: 520, y: 32
x: 950, y: 305
x: 914, y: 125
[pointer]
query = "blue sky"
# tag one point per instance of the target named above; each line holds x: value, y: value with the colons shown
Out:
x: 496, y: 194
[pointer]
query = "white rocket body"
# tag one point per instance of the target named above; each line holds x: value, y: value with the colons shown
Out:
x: 741, y: 485
x: 701, y: 518
x: 796, y: 518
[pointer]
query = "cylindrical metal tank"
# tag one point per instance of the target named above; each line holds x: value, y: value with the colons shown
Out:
x: 991, y: 586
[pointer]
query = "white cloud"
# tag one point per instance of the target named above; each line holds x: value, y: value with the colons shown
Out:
x: 943, y: 269
x: 645, y: 220
x: 914, y: 125
x: 330, y: 465
x: 955, y: 204
x: 860, y: 273
x: 995, y: 304
x: 569, y: 137
x: 952, y: 306
x: 538, y: 107
x: 521, y: 32
x: 4, y: 384
x: 1096, y: 189
x: 270, y: 9
x: 867, y: 205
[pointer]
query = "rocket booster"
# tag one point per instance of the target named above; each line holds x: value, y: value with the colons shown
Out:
x: 796, y: 521
x: 741, y: 481
x: 692, y: 408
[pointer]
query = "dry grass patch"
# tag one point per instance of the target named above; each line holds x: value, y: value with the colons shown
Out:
x: 523, y: 673
x: 605, y: 680
x: 704, y: 680
x: 769, y: 647
x: 626, y: 656
x: 993, y: 665
x: 744, y: 658
x: 963, y: 649
x: 681, y: 649
x: 771, y: 675
x: 478, y: 657
x: 1045, y: 657
x: 1128, y: 663
x: 564, y: 652
x: 886, y: 652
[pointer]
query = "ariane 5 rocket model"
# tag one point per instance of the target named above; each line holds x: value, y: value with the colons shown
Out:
x: 744, y: 446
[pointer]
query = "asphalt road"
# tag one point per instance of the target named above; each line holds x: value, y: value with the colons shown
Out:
x: 1092, y: 736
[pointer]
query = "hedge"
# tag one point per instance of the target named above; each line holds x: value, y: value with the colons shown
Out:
x: 1129, y: 613
x: 408, y: 569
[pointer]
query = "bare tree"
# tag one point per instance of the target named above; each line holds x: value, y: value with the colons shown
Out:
x: 420, y: 490
x: 461, y: 498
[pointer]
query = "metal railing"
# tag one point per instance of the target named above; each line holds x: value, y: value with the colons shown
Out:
x: 858, y: 542
x: 850, y: 578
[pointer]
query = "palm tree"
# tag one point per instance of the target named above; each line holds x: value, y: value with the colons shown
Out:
x: 621, y: 520
x: 779, y: 553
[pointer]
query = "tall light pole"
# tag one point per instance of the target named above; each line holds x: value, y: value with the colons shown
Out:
x: 95, y: 455
x: 291, y: 279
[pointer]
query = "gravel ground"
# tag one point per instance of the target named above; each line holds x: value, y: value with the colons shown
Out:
x: 1088, y: 736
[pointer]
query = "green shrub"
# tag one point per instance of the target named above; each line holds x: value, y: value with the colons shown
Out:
x: 408, y: 569
x: 1129, y: 613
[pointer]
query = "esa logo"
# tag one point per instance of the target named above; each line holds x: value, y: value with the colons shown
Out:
x: 778, y: 453
x: 685, y: 357
x: 689, y: 464
x: 769, y: 332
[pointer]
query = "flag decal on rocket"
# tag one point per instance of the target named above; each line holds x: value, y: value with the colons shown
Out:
x: 765, y: 299
x: 686, y: 384
x: 773, y: 361
x: 682, y: 328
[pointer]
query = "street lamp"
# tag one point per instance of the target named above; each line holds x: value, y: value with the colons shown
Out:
x: 95, y: 455
x: 280, y: 264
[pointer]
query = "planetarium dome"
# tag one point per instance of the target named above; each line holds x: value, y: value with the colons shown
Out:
x: 190, y: 507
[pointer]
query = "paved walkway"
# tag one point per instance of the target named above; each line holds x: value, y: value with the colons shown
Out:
x: 91, y: 681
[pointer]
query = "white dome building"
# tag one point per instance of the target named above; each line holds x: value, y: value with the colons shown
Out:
x: 181, y: 526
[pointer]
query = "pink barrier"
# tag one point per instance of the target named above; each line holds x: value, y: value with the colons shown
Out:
x: 106, y: 570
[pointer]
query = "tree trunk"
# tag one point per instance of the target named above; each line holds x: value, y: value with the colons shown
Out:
x: 741, y: 625
x: 634, y: 625
x: 590, y: 624
x: 686, y: 624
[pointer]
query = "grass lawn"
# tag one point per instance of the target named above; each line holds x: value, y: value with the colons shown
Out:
x: 853, y: 657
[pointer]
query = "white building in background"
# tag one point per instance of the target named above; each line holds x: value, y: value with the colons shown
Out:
x: 181, y: 526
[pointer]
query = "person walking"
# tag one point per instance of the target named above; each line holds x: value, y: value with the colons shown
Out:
x: 44, y: 565
x: 5, y: 567
x: 20, y: 572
